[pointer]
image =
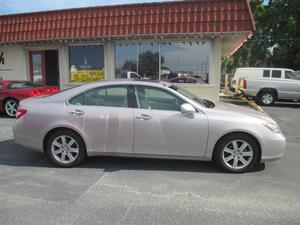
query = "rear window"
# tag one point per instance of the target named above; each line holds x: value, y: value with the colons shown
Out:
x: 266, y: 73
x: 276, y: 73
x: 17, y: 85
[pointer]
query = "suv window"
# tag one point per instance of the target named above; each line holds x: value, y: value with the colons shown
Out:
x: 266, y: 73
x: 288, y: 74
x: 113, y: 96
x: 276, y: 73
x: 155, y: 98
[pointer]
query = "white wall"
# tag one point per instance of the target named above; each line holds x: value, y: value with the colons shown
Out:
x: 14, y: 67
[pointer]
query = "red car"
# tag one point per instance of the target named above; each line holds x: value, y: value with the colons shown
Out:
x: 12, y: 91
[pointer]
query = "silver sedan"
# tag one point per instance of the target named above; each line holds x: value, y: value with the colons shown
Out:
x: 145, y: 119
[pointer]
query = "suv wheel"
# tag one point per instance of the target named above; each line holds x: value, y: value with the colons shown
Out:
x: 266, y: 98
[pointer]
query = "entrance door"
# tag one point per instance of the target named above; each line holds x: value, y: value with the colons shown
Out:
x: 44, y: 67
x: 37, y: 66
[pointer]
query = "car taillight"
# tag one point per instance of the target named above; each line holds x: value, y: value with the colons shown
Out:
x: 20, y: 113
x: 244, y: 84
x: 35, y: 93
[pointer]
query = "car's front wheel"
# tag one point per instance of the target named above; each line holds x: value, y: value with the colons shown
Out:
x: 10, y: 107
x: 237, y: 153
x: 66, y: 148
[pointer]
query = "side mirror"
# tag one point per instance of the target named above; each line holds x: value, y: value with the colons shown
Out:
x: 187, y: 109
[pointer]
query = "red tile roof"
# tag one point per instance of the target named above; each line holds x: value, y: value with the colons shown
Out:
x: 180, y: 17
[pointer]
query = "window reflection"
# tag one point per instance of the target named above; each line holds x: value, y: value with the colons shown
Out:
x: 176, y: 60
x: 148, y: 63
x: 185, y: 60
x: 126, y: 60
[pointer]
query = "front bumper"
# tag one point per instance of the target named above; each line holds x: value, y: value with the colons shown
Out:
x: 273, y: 147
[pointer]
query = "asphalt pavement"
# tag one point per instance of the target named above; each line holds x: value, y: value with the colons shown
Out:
x: 107, y: 190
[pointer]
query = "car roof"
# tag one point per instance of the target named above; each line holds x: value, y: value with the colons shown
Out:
x: 127, y: 82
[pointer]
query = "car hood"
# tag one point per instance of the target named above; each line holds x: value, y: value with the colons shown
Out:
x: 231, y: 110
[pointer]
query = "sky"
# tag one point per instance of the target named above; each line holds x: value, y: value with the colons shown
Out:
x: 19, y: 6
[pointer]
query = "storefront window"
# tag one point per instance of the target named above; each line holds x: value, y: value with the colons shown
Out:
x: 126, y: 59
x: 185, y: 60
x: 176, y: 60
x: 148, y: 62
x: 86, y: 63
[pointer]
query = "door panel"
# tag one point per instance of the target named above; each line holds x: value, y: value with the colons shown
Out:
x: 162, y: 132
x: 107, y: 129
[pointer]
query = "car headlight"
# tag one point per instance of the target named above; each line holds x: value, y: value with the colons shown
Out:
x: 272, y: 127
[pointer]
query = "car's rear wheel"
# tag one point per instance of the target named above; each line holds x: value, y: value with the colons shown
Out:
x: 66, y: 148
x: 237, y: 153
x: 10, y: 107
x: 266, y: 98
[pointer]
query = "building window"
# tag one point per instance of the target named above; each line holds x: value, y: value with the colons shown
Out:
x: 86, y: 63
x: 185, y: 60
x: 148, y: 62
x: 164, y: 61
x: 126, y: 60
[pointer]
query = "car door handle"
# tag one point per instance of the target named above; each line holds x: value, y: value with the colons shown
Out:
x: 77, y: 112
x: 143, y: 117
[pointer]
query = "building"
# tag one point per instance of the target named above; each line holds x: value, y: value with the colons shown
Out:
x: 156, y: 40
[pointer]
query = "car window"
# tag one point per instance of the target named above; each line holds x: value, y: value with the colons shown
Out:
x: 134, y: 75
x: 114, y: 96
x: 189, y: 80
x: 78, y: 100
x: 266, y: 73
x: 276, y: 73
x: 155, y: 98
x: 178, y: 80
x: 17, y: 85
x: 1, y: 85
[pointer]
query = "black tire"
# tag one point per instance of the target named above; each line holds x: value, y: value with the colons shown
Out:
x: 10, y: 101
x: 79, y: 142
x: 263, y: 95
x: 220, y: 146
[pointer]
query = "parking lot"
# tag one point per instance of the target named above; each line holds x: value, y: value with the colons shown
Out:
x: 107, y: 190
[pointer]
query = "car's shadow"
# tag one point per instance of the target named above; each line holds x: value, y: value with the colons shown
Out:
x: 286, y: 104
x: 14, y: 155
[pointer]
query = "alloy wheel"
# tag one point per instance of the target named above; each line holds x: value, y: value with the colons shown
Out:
x: 11, y: 107
x: 65, y: 149
x: 237, y: 154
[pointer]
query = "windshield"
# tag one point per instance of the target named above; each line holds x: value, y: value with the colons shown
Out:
x: 193, y: 97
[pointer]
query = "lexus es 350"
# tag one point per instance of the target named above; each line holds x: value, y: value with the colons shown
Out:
x: 145, y: 119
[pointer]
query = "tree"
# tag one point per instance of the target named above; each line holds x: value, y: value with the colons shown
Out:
x: 276, y: 42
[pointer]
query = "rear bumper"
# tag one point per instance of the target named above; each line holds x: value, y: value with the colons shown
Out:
x: 26, y: 137
x: 273, y: 147
x: 249, y: 92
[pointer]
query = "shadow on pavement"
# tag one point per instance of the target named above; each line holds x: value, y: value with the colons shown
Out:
x: 12, y: 154
x: 277, y: 104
